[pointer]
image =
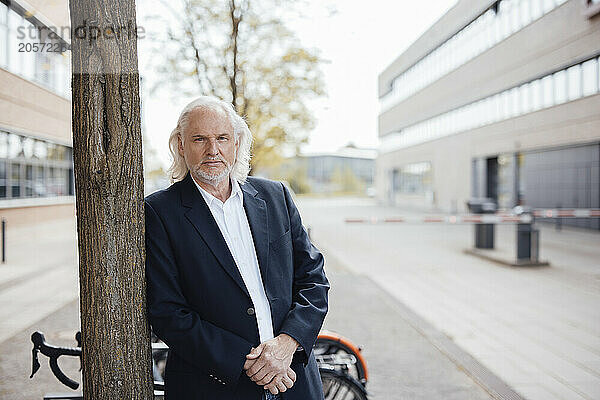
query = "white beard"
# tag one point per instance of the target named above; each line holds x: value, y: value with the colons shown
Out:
x: 213, y: 179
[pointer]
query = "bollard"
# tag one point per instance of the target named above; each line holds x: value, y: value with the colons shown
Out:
x: 3, y: 240
x: 484, y: 236
x: 484, y: 233
x: 527, y: 244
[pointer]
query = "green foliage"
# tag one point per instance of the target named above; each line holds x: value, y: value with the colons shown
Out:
x: 242, y: 52
x: 346, y: 181
x: 298, y: 180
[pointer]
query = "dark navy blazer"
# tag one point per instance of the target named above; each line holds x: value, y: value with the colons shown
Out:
x: 199, y: 305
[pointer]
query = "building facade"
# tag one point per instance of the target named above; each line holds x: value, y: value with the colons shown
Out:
x: 345, y: 170
x: 497, y: 99
x: 36, y: 160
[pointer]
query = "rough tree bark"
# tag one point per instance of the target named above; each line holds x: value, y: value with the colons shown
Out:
x: 107, y: 149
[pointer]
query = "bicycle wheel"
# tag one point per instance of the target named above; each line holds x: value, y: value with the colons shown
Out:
x: 160, y: 352
x: 332, y: 344
x: 339, y: 386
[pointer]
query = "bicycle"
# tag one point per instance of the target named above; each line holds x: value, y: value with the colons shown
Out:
x: 341, y: 366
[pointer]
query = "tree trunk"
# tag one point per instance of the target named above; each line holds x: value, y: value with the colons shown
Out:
x: 107, y: 150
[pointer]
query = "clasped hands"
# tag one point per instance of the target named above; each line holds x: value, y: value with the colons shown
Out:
x: 268, y: 365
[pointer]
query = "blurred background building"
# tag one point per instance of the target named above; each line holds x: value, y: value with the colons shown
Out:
x: 350, y: 170
x: 497, y: 99
x: 36, y: 167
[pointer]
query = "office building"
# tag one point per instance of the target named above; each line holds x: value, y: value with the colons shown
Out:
x: 36, y: 168
x: 497, y: 99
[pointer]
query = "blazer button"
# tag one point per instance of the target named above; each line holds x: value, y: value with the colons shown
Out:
x: 250, y: 311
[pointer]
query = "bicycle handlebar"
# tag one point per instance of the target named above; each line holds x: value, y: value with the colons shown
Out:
x: 53, y: 352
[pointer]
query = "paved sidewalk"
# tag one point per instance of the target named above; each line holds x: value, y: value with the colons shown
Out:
x: 536, y: 328
x: 40, y: 275
x: 403, y: 363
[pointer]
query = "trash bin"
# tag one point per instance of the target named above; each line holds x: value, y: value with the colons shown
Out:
x: 484, y: 233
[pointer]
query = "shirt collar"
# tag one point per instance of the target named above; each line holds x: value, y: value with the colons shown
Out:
x: 236, y: 191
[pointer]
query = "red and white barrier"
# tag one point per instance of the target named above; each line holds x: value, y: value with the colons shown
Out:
x: 499, y: 218
x: 449, y: 219
x: 566, y: 213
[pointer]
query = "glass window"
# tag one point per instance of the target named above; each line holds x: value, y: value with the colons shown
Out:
x: 3, y: 35
x: 548, y: 91
x: 525, y: 12
x: 3, y: 12
x: 590, y: 77
x: 525, y: 97
x: 2, y: 179
x: 548, y: 5
x: 14, y: 146
x: 40, y: 149
x: 515, y: 20
x: 560, y: 87
x: 505, y: 18
x: 3, y: 144
x: 536, y: 9
x: 39, y: 187
x: 28, y: 64
x: 504, y: 106
x: 574, y: 82
x: 515, y: 102
x: 28, y: 180
x: 27, y: 144
x: 15, y: 175
x: 536, y: 95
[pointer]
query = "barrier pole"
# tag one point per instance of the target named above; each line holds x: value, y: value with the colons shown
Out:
x: 3, y: 240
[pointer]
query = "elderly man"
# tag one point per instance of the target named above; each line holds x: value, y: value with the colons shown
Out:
x: 235, y: 287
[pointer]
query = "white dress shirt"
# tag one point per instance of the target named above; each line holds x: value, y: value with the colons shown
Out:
x: 233, y: 223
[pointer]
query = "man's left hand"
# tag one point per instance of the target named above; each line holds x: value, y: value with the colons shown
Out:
x: 271, y: 359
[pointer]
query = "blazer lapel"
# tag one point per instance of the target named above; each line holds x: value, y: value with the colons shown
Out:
x: 201, y: 217
x: 256, y: 211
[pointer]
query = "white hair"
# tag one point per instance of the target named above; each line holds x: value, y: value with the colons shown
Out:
x: 241, y: 166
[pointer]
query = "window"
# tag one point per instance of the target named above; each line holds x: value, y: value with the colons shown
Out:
x: 15, y: 177
x: 515, y: 102
x: 3, y: 182
x: 28, y: 169
x: 515, y: 20
x: 3, y: 35
x: 482, y: 33
x: 560, y: 87
x: 590, y: 77
x: 525, y: 98
x: 525, y: 12
x: 536, y: 95
x: 536, y: 9
x: 574, y: 82
x: 548, y: 5
x: 547, y: 91
x: 28, y: 180
x: 39, y: 189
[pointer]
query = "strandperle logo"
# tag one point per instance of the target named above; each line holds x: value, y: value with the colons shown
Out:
x: 90, y: 31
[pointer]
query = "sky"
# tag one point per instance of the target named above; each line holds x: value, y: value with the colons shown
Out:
x: 357, y: 39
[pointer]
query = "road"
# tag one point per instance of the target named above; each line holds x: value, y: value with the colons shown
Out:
x: 536, y: 328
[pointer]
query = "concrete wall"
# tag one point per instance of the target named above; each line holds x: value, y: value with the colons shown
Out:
x: 29, y: 108
x: 55, y: 12
x: 559, y: 38
x: 22, y: 216
x: 451, y: 157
